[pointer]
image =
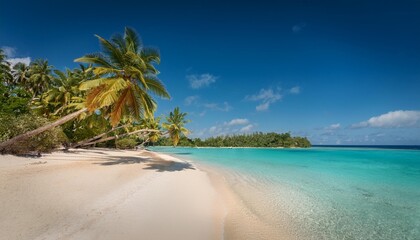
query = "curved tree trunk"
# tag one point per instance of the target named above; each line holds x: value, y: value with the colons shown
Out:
x: 81, y: 143
x: 37, y: 131
x: 120, y: 136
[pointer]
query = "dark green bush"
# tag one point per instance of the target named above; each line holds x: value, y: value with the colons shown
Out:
x: 11, y: 126
x: 126, y: 143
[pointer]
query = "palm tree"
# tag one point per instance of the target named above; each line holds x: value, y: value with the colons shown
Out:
x: 154, y: 124
x: 175, y: 125
x: 125, y: 78
x: 40, y: 76
x: 5, y: 73
x: 21, y: 75
x: 62, y: 92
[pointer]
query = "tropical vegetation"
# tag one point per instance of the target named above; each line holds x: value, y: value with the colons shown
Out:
x: 257, y: 139
x: 175, y: 124
x: 110, y: 96
x: 109, y: 100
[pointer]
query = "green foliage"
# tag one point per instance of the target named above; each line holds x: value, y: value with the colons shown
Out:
x: 257, y: 139
x: 14, y: 101
x: 5, y: 72
x: 86, y: 128
x: 125, y: 143
x: 125, y: 78
x: 175, y: 123
x: 11, y: 126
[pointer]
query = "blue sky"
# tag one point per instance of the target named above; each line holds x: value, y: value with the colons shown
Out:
x: 338, y: 72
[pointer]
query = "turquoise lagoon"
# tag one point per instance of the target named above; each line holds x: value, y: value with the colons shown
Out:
x: 323, y: 193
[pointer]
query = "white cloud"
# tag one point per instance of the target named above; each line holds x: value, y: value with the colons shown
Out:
x: 14, y: 61
x: 395, y: 119
x: 213, y: 129
x: 266, y: 97
x: 9, y: 51
x: 190, y: 100
x: 214, y: 106
x: 333, y: 126
x: 262, y: 106
x: 247, y: 128
x: 234, y: 126
x: 298, y: 27
x: 11, y: 56
x: 238, y: 121
x: 200, y: 81
x: 295, y: 90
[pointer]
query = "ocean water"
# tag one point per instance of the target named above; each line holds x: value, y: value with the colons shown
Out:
x: 324, y: 193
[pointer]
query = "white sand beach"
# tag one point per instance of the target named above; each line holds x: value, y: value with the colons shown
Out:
x: 115, y: 194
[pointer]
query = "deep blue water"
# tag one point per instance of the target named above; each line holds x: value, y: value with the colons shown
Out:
x: 325, y: 192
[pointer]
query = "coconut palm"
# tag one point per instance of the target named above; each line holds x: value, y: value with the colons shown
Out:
x: 20, y: 74
x: 5, y: 73
x: 64, y: 87
x: 40, y: 76
x: 151, y: 123
x: 175, y: 123
x: 126, y: 77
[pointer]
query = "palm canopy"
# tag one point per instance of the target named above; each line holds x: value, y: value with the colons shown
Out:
x: 5, y: 74
x: 175, y: 123
x: 21, y: 75
x: 154, y: 124
x: 64, y: 88
x: 125, y: 77
x: 40, y: 76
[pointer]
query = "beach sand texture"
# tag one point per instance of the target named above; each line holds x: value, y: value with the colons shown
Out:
x: 116, y: 194
x: 104, y: 194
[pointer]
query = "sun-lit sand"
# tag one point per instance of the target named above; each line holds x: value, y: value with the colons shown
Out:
x: 115, y: 194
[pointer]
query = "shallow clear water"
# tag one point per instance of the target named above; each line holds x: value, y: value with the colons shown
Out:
x: 326, y: 193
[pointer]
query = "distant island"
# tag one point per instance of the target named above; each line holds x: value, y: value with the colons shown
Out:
x: 257, y: 139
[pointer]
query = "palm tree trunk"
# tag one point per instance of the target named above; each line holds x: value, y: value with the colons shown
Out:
x: 144, y: 142
x: 81, y: 143
x: 37, y: 131
x: 119, y: 136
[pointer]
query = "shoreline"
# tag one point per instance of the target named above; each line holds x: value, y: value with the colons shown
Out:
x: 109, y: 194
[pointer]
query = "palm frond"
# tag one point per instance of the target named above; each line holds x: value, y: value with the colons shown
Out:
x: 91, y: 84
x: 156, y: 86
x: 118, y: 107
x: 94, y: 58
x: 132, y: 40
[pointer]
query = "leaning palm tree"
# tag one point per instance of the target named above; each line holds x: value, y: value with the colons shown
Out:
x: 175, y: 123
x: 125, y: 78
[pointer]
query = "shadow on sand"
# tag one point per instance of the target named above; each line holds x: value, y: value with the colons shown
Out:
x: 169, y: 166
x: 151, y: 164
x: 124, y: 160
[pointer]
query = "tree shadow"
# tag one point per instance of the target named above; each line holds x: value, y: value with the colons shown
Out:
x: 169, y: 166
x: 124, y: 160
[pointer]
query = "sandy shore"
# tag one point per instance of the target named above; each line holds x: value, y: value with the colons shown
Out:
x: 114, y: 194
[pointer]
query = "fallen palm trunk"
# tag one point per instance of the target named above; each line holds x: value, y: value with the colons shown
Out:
x: 119, y: 136
x: 81, y: 143
x: 42, y: 129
